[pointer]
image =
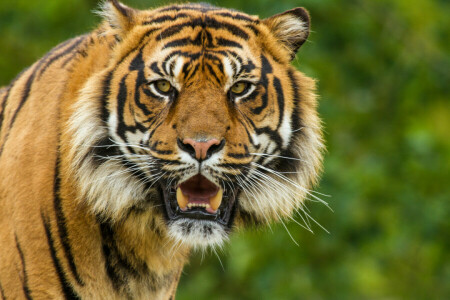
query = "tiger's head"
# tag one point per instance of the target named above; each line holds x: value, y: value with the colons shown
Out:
x: 199, y: 123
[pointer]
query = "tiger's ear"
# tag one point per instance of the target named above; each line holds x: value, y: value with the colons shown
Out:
x: 291, y: 28
x: 120, y: 17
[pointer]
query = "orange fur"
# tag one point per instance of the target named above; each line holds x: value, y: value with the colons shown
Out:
x: 72, y: 226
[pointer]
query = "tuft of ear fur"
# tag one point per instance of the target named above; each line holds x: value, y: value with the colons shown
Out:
x: 291, y: 28
x: 119, y: 17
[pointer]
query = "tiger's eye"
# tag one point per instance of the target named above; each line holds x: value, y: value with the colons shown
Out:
x: 239, y: 87
x: 163, y: 86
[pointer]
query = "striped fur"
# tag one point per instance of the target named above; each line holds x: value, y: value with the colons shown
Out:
x: 88, y: 146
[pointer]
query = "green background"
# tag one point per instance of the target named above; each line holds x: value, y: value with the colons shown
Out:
x: 383, y: 70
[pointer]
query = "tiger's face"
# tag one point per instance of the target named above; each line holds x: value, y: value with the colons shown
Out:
x: 199, y: 122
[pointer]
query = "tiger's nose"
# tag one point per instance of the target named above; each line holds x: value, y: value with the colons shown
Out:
x: 201, y: 150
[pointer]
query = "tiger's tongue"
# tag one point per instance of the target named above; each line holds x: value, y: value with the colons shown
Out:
x: 199, y: 192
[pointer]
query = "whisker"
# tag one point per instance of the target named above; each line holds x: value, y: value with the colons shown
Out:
x: 293, y: 183
x: 260, y: 182
x: 270, y: 180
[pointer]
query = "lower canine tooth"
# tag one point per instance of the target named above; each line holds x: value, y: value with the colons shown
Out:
x: 181, y: 199
x: 215, y: 201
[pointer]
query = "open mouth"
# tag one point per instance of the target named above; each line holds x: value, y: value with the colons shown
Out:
x: 198, y: 198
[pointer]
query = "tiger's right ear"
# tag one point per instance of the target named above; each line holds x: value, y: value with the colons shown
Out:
x: 290, y: 28
x: 120, y: 17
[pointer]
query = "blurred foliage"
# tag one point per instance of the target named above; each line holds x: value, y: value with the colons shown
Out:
x: 383, y: 69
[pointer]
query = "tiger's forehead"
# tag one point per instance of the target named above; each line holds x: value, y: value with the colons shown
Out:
x: 191, y: 38
x: 180, y: 11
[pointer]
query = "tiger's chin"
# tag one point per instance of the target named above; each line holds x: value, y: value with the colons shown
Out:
x: 199, y: 213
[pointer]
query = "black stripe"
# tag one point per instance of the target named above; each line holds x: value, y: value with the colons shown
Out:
x: 61, y: 222
x: 109, y: 254
x: 102, y: 150
x: 201, y: 7
x: 227, y: 43
x: 172, y: 30
x: 287, y: 165
x: 250, y: 138
x: 193, y: 71
x: 81, y: 51
x: 208, y: 22
x: 236, y: 16
x: 248, y: 67
x: 122, y: 127
x: 69, y: 59
x: 168, y: 162
x: 207, y: 39
x: 25, y: 287
x: 161, y: 152
x: 122, y: 9
x: 52, y: 51
x: 118, y: 267
x: 253, y: 28
x: 154, y: 67
x: 162, y: 19
x: 26, y: 93
x: 106, y: 91
x: 192, y: 56
x: 67, y: 289
x: 138, y: 64
x: 235, y: 30
x: 280, y: 99
x: 296, y: 121
x: 59, y: 55
x: 164, y: 64
x: 211, y: 70
x: 238, y: 155
x: 144, y: 36
x: 266, y: 68
x: 232, y: 53
x: 183, y: 42
x: 6, y: 97
x: 273, y: 135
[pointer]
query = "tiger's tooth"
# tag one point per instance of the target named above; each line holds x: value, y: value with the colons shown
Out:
x: 215, y: 201
x: 181, y: 199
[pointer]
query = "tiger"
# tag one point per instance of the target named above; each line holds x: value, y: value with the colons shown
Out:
x: 159, y: 133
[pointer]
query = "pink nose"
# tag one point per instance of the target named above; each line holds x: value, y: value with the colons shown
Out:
x: 201, y: 148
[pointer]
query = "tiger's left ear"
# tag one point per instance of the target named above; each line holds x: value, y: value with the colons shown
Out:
x: 120, y: 17
x: 291, y: 28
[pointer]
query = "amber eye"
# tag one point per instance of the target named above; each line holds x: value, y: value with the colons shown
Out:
x: 239, y: 87
x: 163, y: 86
